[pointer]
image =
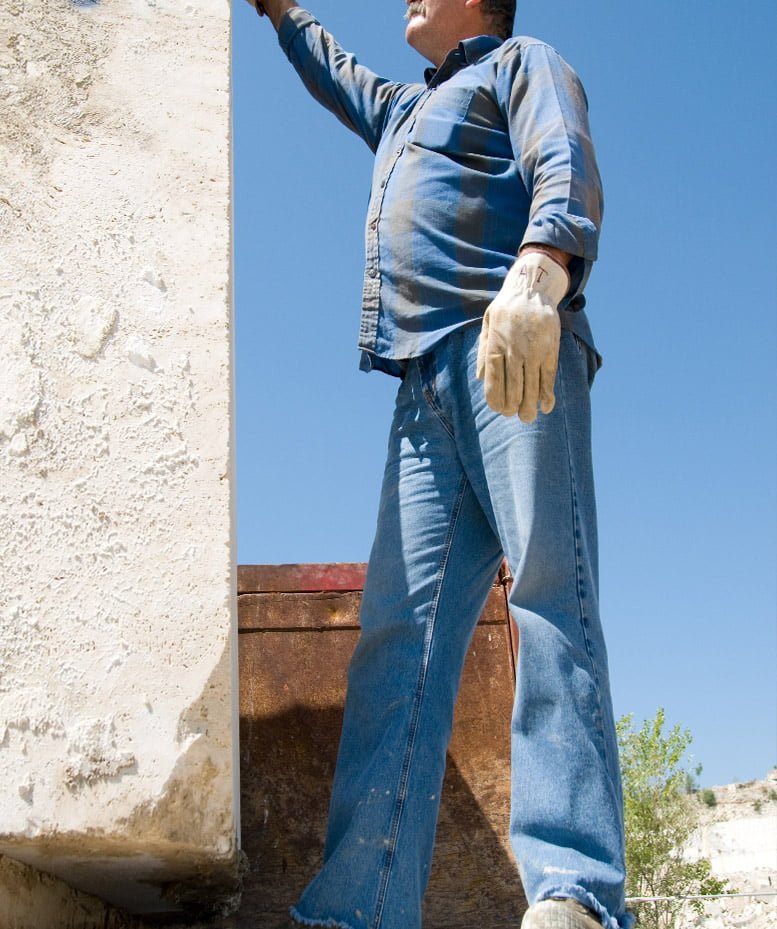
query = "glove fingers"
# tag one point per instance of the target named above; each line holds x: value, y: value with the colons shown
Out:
x: 480, y: 371
x: 531, y: 394
x: 513, y: 385
x: 494, y: 383
x: 547, y: 383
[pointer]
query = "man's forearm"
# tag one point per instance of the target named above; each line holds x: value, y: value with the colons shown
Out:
x: 275, y: 9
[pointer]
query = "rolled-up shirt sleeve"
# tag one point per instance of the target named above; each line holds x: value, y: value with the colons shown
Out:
x: 357, y: 96
x: 547, y: 115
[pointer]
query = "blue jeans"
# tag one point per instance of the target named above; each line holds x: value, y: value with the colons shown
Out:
x: 462, y: 486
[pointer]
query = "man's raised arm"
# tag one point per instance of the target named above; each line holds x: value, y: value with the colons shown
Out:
x: 273, y: 9
x: 358, y: 97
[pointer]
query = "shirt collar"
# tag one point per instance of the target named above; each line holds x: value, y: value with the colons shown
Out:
x: 468, y: 52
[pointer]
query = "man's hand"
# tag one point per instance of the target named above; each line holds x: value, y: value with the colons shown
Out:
x: 519, y: 341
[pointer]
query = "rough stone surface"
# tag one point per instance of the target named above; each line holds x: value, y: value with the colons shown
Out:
x: 738, y: 835
x: 117, y: 649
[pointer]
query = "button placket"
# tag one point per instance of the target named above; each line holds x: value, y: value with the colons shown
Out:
x: 371, y: 289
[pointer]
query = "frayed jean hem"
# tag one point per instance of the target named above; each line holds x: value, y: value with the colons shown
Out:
x: 327, y: 923
x: 581, y: 895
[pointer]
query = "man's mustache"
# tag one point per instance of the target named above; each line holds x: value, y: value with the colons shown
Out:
x: 415, y: 9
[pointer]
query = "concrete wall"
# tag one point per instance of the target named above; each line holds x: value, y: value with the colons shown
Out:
x: 117, y: 611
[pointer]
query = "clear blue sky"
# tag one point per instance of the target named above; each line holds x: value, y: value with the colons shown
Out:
x: 682, y: 301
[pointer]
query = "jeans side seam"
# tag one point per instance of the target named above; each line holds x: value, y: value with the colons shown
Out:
x: 580, y: 592
x: 401, y: 796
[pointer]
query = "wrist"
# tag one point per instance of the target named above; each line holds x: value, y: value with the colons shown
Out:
x: 537, y: 271
x: 560, y: 257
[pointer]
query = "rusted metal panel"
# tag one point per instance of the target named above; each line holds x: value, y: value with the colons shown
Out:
x: 474, y: 880
x: 504, y: 579
x: 494, y: 609
x: 291, y: 697
x: 300, y: 577
x: 327, y: 610
x: 294, y: 651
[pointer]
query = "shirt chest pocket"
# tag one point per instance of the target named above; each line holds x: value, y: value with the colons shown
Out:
x: 439, y: 121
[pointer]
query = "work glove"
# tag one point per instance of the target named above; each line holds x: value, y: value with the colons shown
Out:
x: 518, y: 350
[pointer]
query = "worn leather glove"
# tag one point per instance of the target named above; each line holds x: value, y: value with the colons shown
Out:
x: 518, y: 350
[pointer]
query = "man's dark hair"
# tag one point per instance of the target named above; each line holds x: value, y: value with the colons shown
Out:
x: 501, y: 13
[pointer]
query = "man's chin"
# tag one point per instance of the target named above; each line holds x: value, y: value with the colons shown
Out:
x: 411, y: 27
x: 413, y: 22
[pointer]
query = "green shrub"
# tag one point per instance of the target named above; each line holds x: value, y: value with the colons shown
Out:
x: 660, y: 817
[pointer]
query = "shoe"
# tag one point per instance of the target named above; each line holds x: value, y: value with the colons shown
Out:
x: 560, y: 914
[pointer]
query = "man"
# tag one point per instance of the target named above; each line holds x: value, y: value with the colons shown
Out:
x: 481, y: 229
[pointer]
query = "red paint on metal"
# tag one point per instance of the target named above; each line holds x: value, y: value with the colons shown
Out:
x: 310, y: 578
x: 300, y: 578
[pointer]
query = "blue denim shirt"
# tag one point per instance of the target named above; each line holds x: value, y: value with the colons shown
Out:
x: 492, y: 152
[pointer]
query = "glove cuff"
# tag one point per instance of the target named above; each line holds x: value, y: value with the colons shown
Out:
x: 538, y: 272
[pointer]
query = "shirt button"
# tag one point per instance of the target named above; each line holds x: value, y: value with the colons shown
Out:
x: 373, y: 272
x: 374, y: 225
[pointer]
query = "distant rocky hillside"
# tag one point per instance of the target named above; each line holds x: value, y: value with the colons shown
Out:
x: 739, y: 836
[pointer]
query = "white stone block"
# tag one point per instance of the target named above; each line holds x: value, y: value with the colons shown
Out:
x: 118, y: 719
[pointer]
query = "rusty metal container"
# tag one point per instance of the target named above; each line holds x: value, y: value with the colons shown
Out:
x: 298, y: 627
